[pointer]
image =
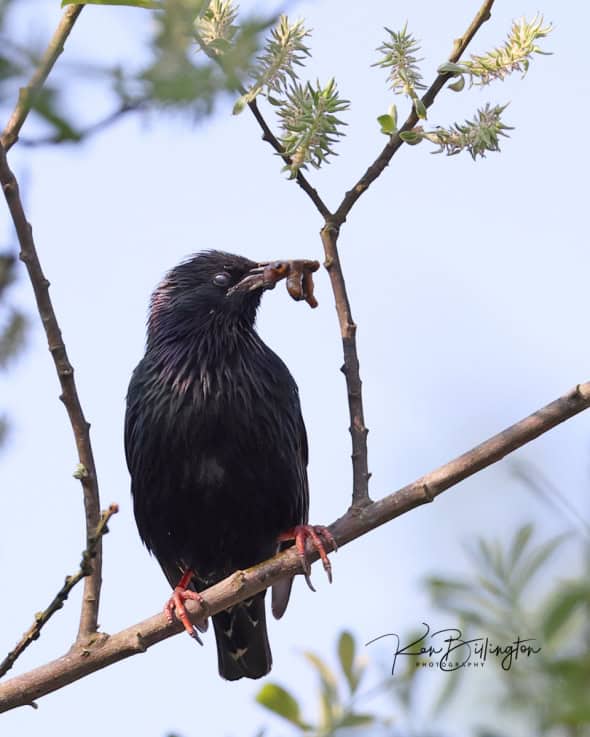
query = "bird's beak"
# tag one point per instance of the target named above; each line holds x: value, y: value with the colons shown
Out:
x: 262, y: 276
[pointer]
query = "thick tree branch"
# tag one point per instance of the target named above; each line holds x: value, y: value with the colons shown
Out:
x: 395, y: 142
x: 27, y: 94
x: 86, y: 471
x: 58, y: 600
x: 80, y: 661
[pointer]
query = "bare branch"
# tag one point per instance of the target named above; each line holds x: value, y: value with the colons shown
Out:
x: 267, y: 134
x: 28, y: 94
x: 81, y: 661
x: 58, y: 600
x: 86, y: 471
x: 270, y: 138
x: 395, y: 142
x: 330, y: 233
x: 350, y: 369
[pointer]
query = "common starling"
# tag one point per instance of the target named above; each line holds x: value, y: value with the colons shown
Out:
x: 216, y: 448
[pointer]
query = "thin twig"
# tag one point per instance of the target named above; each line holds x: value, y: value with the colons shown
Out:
x: 28, y: 94
x: 395, y: 142
x: 329, y: 235
x: 86, y: 471
x: 350, y: 369
x: 267, y: 134
x: 269, y: 137
x: 41, y: 618
x: 105, y: 650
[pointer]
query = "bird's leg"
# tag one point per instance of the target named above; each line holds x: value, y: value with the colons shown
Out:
x: 320, y: 537
x: 175, y: 604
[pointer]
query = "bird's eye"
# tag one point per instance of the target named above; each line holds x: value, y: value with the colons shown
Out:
x: 222, y: 280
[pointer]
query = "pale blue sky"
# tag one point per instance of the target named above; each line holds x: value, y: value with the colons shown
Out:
x: 469, y: 285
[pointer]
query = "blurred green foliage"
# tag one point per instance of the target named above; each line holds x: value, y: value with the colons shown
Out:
x: 499, y: 599
x: 337, y: 694
x: 18, y: 60
x: 496, y: 600
x: 174, y: 74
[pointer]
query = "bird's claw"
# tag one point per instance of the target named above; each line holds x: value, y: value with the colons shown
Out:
x: 195, y: 635
x: 175, y: 606
x: 319, y: 536
x: 308, y: 582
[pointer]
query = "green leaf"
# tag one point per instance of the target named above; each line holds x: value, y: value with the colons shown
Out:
x: 532, y: 565
x: 240, y: 105
x: 152, y: 4
x: 490, y: 554
x: 276, y: 699
x: 46, y: 104
x: 356, y: 720
x: 521, y: 539
x: 448, y: 586
x: 393, y: 114
x: 450, y: 68
x: 410, y: 137
x: 491, y: 587
x: 328, y: 715
x: 451, y: 681
x: 420, y: 108
x: 387, y: 124
x: 327, y: 677
x: 346, y: 649
x: 561, y: 610
x: 458, y: 85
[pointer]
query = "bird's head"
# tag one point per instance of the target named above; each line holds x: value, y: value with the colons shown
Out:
x: 210, y: 286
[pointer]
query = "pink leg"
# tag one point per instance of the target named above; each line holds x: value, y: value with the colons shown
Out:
x: 175, y: 604
x: 319, y: 536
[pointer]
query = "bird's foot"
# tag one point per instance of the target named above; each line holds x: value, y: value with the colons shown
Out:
x: 320, y: 537
x: 175, y: 605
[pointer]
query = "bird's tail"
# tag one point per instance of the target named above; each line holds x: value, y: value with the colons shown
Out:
x: 242, y: 642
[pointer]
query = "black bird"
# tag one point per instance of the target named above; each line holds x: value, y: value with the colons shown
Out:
x: 216, y: 448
